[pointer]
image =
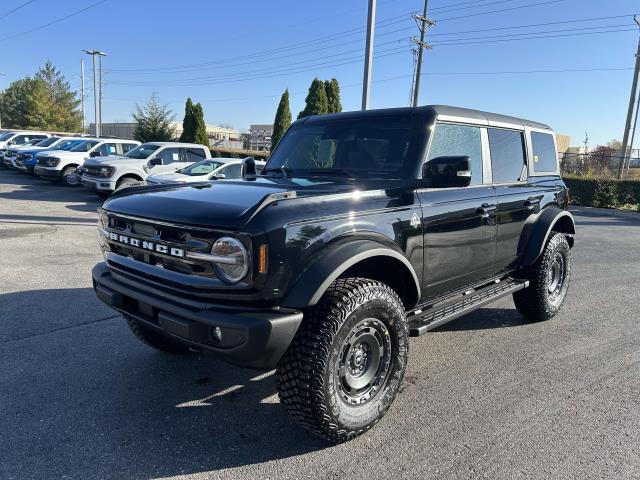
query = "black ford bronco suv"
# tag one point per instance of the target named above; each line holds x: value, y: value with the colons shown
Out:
x: 365, y: 228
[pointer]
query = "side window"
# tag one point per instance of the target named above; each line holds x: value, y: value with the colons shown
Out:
x: 20, y: 139
x: 232, y: 171
x: 169, y: 155
x: 507, y: 155
x: 194, y: 154
x: 545, y: 158
x: 458, y: 140
x: 106, y: 149
x: 126, y: 147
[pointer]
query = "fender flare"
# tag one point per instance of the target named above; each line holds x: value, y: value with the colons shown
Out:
x: 536, y: 233
x: 314, y: 281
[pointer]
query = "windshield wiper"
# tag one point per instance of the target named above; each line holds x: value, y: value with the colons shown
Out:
x: 283, y: 170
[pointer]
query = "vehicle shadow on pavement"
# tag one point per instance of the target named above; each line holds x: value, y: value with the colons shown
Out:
x: 485, y: 319
x: 81, y: 384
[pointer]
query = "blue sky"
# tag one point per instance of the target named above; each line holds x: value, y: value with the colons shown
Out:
x: 236, y: 58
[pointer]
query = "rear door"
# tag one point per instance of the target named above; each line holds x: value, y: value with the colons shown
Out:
x: 517, y: 199
x: 459, y: 223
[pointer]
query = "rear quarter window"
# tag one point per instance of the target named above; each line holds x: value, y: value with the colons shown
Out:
x: 545, y: 158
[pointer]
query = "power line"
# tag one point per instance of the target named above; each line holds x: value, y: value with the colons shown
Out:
x: 15, y: 9
x: 399, y: 77
x: 304, y: 66
x: 61, y: 19
x: 438, y: 20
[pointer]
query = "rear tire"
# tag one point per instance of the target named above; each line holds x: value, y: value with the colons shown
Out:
x: 549, y: 279
x: 347, y: 360
x: 155, y: 339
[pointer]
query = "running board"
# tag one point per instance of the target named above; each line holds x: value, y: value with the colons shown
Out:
x: 421, y: 321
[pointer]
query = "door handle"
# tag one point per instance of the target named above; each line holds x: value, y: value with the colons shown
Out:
x: 486, y: 209
x: 531, y: 203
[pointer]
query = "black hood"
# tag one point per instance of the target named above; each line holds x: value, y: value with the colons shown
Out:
x: 216, y: 204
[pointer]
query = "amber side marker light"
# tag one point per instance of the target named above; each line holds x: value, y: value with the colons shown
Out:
x: 262, y: 259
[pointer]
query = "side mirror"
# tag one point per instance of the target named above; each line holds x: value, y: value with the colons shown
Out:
x: 95, y: 153
x: 447, y: 172
x: 155, y: 161
x: 249, y: 168
x: 219, y: 176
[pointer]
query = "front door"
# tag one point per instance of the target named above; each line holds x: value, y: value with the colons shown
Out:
x: 458, y: 223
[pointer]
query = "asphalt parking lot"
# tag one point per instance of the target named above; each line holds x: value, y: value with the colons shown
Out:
x: 486, y: 396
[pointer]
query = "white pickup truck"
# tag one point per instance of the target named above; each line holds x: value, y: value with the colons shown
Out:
x: 104, y: 175
x: 61, y: 165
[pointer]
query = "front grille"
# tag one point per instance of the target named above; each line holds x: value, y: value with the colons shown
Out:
x: 91, y: 171
x: 24, y: 156
x: 42, y: 161
x: 170, y: 236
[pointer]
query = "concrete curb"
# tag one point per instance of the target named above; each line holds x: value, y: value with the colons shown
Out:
x: 609, y: 212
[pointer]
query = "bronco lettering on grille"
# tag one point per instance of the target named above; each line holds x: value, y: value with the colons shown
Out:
x: 146, y: 245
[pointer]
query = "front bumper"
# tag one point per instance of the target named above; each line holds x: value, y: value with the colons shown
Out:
x: 50, y: 173
x: 102, y: 184
x: 250, y: 338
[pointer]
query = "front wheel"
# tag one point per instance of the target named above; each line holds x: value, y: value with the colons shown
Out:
x: 344, y: 367
x: 548, y: 279
x: 69, y: 177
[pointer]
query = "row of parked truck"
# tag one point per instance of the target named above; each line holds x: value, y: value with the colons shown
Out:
x: 105, y: 165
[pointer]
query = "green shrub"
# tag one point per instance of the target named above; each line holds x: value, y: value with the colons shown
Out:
x: 603, y: 193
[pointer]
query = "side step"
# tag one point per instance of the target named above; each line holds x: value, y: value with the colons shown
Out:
x: 421, y: 321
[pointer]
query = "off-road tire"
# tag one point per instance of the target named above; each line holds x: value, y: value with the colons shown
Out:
x: 308, y: 378
x: 155, y: 339
x: 64, y: 177
x: 536, y: 303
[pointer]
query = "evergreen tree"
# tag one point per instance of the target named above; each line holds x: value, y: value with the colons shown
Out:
x: 201, y: 127
x: 153, y: 122
x: 58, y: 104
x: 333, y: 95
x: 282, y: 120
x: 316, y: 101
x: 44, y: 101
x: 188, y: 134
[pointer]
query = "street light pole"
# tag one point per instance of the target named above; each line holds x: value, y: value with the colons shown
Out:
x: 97, y: 103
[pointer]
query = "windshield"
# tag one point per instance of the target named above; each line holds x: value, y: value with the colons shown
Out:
x: 68, y: 144
x: 85, y: 146
x: 47, y: 142
x: 201, y: 168
x: 142, y: 151
x: 354, y: 148
x: 6, y: 136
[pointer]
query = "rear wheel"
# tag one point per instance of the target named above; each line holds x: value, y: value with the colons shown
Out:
x: 548, y: 279
x: 155, y: 339
x: 345, y: 365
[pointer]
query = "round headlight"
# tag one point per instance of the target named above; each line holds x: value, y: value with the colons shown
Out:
x: 233, y: 262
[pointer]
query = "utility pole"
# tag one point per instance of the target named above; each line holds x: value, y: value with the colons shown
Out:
x: 84, y: 112
x: 633, y: 135
x: 96, y: 92
x: 632, y: 101
x: 423, y: 24
x: 368, y: 54
x: 100, y: 90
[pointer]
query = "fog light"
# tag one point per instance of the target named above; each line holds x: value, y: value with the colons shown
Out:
x: 216, y: 333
